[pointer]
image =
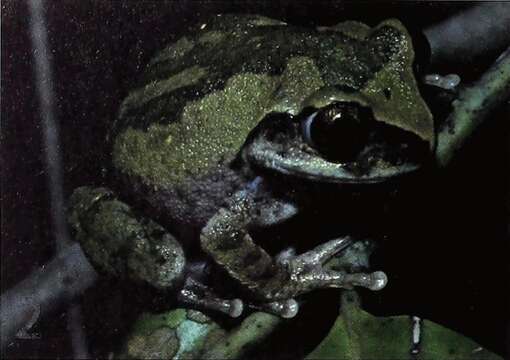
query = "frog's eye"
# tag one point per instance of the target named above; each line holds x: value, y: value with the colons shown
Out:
x: 306, y: 126
x: 336, y: 131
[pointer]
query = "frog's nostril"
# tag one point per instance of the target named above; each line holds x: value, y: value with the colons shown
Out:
x: 336, y: 133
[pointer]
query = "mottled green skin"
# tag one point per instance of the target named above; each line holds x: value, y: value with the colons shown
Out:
x: 199, y: 98
x: 177, y: 144
x: 121, y: 243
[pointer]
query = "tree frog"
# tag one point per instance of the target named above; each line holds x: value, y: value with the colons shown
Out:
x: 225, y: 132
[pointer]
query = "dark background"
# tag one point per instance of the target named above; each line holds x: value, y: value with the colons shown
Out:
x: 446, y: 252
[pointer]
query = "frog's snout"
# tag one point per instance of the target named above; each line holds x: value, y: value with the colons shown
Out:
x: 337, y: 131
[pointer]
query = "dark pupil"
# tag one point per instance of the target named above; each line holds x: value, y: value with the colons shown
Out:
x: 339, y: 132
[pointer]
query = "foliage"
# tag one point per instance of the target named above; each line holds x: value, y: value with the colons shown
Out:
x: 357, y: 334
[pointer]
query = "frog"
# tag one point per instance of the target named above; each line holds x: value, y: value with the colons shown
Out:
x: 225, y: 133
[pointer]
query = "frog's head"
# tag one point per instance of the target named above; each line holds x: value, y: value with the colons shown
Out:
x: 366, y: 123
x: 336, y: 141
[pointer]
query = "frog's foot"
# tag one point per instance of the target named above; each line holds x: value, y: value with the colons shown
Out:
x: 284, y: 308
x: 196, y: 295
x: 306, y: 272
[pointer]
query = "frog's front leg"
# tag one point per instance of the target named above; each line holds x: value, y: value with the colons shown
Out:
x: 274, y: 283
x: 122, y: 244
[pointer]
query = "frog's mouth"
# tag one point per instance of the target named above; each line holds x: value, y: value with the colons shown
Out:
x: 340, y: 143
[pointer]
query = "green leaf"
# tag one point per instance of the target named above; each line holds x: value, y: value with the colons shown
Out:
x: 357, y: 334
x: 190, y: 334
x: 176, y: 334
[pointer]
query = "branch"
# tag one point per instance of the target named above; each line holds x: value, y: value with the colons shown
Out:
x: 61, y: 280
x: 480, y: 30
x: 472, y: 107
x: 53, y: 158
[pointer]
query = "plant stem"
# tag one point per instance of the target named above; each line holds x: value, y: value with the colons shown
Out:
x: 471, y: 108
x: 477, y: 31
x: 58, y: 282
x: 254, y: 329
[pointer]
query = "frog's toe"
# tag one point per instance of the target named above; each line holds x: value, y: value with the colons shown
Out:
x: 284, y: 308
x: 306, y: 279
x: 196, y: 295
x: 322, y: 253
x: 379, y: 281
x: 373, y: 281
x: 235, y: 308
x: 289, y: 308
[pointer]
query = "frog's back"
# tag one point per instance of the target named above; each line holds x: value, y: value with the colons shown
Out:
x: 200, y: 97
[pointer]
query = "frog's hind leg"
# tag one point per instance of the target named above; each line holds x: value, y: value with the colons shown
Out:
x: 196, y: 295
x: 124, y: 245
